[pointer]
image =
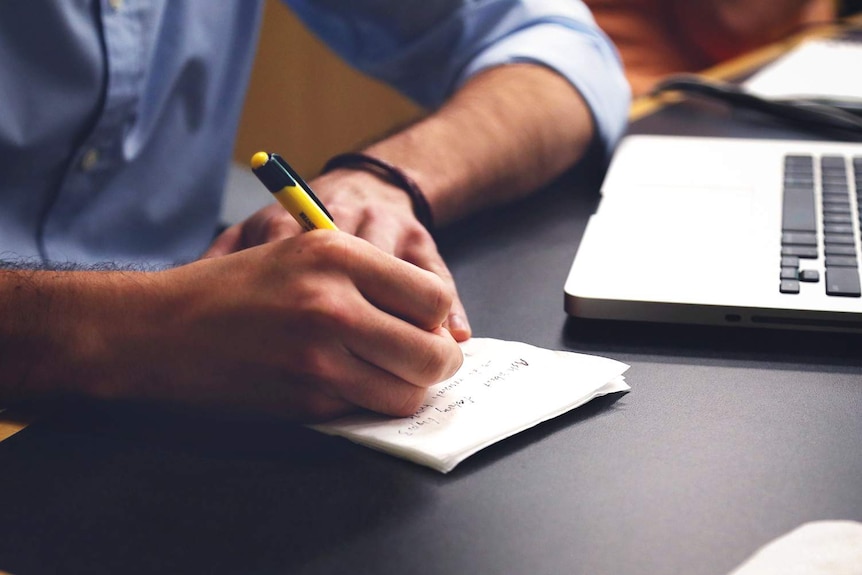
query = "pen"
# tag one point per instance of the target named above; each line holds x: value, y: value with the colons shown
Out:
x: 291, y: 192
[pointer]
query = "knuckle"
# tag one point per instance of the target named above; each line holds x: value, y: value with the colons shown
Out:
x: 440, y: 362
x: 442, y: 296
x: 325, y: 310
x: 267, y: 227
x: 346, y: 214
x: 408, y: 402
x: 279, y: 226
x: 418, y: 243
x: 312, y: 363
x: 331, y: 249
x: 419, y: 235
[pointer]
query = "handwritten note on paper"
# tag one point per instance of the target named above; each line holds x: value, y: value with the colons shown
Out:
x: 502, y: 388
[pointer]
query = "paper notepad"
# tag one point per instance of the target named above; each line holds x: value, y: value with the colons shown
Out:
x: 502, y: 388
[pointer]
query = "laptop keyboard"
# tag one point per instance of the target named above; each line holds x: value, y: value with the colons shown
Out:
x: 806, y: 248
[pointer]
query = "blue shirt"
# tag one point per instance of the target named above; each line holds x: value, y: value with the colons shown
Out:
x: 118, y: 117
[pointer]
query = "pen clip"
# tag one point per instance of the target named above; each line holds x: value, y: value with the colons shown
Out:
x: 298, y: 181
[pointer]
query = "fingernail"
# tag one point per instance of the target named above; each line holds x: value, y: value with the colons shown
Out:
x: 458, y: 327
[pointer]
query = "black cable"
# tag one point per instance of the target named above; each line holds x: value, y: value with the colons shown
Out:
x: 849, y: 7
x: 819, y: 115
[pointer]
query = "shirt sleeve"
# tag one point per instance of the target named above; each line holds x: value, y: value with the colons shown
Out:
x: 427, y: 49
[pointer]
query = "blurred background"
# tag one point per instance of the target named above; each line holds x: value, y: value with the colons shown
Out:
x: 306, y: 104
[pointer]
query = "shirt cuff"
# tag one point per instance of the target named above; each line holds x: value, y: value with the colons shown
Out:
x: 585, y: 57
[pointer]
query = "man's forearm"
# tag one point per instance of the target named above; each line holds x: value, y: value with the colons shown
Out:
x: 506, y: 132
x: 45, y: 335
x: 63, y: 331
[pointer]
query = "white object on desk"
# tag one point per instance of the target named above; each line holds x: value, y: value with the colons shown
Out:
x: 816, y: 548
x: 502, y: 388
x: 819, y: 69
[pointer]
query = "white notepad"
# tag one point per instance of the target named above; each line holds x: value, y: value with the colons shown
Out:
x: 502, y: 388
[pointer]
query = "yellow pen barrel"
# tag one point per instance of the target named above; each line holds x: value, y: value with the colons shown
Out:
x: 291, y: 192
x: 304, y: 209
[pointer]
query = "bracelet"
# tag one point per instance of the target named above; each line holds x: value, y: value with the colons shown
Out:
x: 390, y: 174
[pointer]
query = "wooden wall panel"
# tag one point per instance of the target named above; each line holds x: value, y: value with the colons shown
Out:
x: 306, y: 104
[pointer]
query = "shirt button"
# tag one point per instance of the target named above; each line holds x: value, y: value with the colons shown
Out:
x: 116, y: 4
x: 89, y: 159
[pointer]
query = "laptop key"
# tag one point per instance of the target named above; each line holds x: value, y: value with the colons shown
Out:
x: 836, y: 250
x: 833, y: 179
x: 837, y: 208
x: 799, y: 239
x: 841, y: 262
x: 836, y: 196
x: 843, y: 282
x: 838, y: 228
x: 801, y: 177
x: 809, y: 252
x: 840, y: 239
x: 836, y: 200
x: 810, y: 276
x: 789, y: 273
x: 832, y: 162
x: 832, y: 187
x: 844, y: 218
x: 789, y: 286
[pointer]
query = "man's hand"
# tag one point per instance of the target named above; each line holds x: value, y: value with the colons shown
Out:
x: 506, y: 132
x: 306, y: 328
x: 363, y: 205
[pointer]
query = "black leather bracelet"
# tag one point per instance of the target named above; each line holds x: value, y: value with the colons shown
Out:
x: 389, y: 173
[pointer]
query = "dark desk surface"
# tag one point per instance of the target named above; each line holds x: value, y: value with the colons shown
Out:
x: 727, y: 440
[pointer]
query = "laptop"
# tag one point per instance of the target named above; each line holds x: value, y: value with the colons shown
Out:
x: 724, y: 231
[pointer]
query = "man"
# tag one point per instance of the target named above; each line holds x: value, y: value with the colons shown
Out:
x: 115, y: 134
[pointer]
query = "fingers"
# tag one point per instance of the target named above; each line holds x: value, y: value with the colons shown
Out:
x: 378, y: 369
x: 350, y: 352
x: 414, y: 244
x: 268, y: 224
x: 421, y: 358
x: 387, y: 317
x: 421, y: 250
x: 396, y: 286
x: 227, y: 242
x: 373, y: 385
x: 385, y: 235
x: 426, y: 256
x: 361, y: 386
x: 457, y: 322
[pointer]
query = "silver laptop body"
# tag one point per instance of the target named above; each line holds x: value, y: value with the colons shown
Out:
x: 724, y: 231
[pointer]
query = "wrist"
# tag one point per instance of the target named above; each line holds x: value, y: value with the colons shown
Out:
x: 63, y: 331
x: 389, y: 173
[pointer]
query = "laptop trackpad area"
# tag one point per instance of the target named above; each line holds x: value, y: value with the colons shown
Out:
x: 674, y: 243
